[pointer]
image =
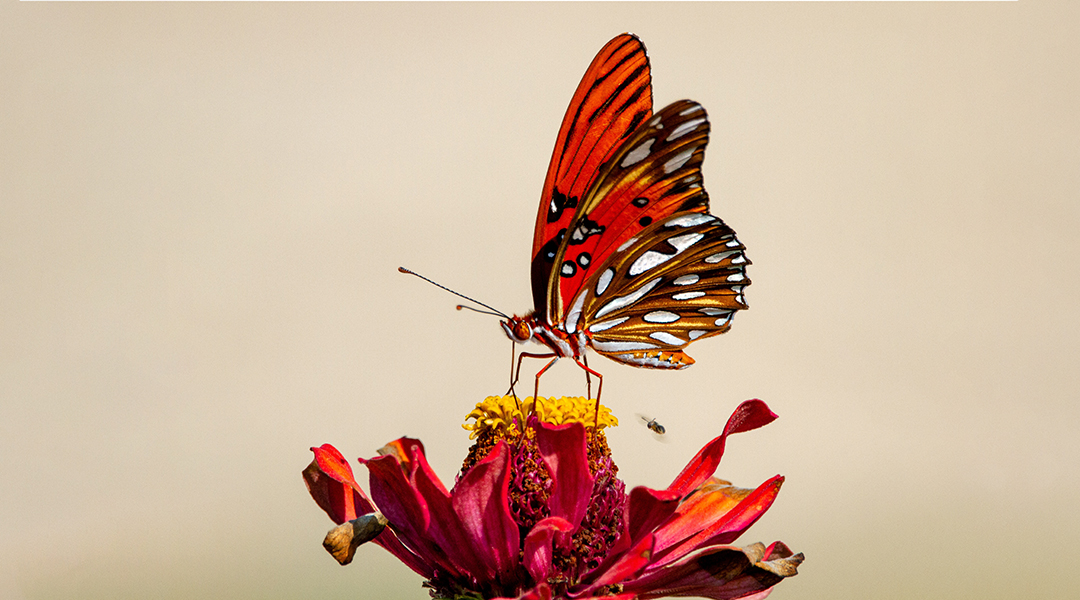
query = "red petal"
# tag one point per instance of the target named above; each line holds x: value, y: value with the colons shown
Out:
x: 566, y: 456
x: 406, y: 510
x: 444, y: 528
x: 329, y: 479
x: 702, y: 526
x: 537, y: 551
x: 627, y: 566
x: 648, y: 508
x: 481, y: 501
x: 749, y: 415
x: 722, y: 573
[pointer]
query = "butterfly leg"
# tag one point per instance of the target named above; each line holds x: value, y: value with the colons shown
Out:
x: 599, y: 390
x: 536, y: 387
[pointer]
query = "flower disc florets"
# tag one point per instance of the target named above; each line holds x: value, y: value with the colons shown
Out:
x: 499, y: 418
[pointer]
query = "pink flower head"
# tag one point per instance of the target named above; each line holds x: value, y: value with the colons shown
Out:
x: 540, y: 514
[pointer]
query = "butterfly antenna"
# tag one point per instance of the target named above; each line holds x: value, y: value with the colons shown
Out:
x: 494, y: 311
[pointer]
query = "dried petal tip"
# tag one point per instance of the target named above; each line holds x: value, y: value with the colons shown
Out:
x: 504, y: 415
x: 341, y: 542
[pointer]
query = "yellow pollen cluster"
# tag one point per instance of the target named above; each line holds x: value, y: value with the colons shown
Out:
x: 502, y: 415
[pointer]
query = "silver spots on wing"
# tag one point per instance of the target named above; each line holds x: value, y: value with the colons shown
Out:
x: 687, y: 279
x: 604, y: 281
x: 627, y: 300
x: 687, y: 295
x: 627, y: 244
x: 603, y: 325
x: 678, y: 161
x: 652, y: 258
x: 667, y: 338
x: 621, y: 346
x: 685, y: 128
x: 574, y: 314
x: 720, y: 256
x: 713, y: 312
x: 638, y: 154
x: 696, y: 333
x: 689, y: 220
x: 736, y: 277
x: 689, y: 111
x: 660, y: 316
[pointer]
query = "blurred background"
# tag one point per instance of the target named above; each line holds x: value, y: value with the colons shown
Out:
x: 203, y: 206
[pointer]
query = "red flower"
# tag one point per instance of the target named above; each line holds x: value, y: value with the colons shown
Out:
x: 542, y: 515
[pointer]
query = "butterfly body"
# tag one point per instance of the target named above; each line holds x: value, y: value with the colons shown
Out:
x: 626, y: 258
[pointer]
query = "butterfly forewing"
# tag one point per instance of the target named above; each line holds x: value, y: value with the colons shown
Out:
x: 655, y: 173
x: 678, y: 281
x: 612, y: 100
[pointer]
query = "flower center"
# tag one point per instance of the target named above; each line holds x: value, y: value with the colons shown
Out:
x: 501, y: 418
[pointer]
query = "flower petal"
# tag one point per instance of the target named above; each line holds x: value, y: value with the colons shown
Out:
x: 712, y: 518
x: 566, y: 456
x: 329, y: 479
x: 749, y: 415
x: 537, y: 551
x: 721, y: 573
x: 628, y: 566
x: 481, y: 500
x: 407, y: 511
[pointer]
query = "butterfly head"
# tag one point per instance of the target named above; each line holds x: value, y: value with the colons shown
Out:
x: 519, y: 329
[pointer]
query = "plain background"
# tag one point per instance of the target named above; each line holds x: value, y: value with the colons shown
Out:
x: 203, y: 207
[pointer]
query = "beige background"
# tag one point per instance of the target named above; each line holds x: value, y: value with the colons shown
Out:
x: 203, y: 207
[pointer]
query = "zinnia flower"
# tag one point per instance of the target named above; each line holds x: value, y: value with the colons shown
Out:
x: 537, y: 513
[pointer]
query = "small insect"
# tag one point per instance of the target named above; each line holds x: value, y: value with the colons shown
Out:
x: 652, y: 424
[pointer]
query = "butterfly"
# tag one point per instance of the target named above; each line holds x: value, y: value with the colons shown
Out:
x: 626, y: 258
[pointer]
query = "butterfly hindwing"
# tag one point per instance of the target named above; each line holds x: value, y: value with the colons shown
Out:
x: 612, y: 100
x: 655, y: 173
x: 679, y: 280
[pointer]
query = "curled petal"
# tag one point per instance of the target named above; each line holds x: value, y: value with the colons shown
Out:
x: 329, y: 479
x: 749, y: 415
x: 406, y: 510
x: 721, y: 573
x: 537, y: 550
x: 341, y: 542
x: 481, y: 501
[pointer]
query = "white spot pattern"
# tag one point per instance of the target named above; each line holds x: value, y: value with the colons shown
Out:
x: 575, y: 313
x: 621, y: 346
x: 604, y: 281
x: 712, y: 259
x: 653, y: 258
x: 678, y: 161
x: 627, y: 244
x: 687, y: 295
x: 638, y: 154
x: 660, y: 316
x: 696, y: 333
x: 736, y: 277
x: 685, y: 128
x: 689, y: 220
x: 627, y: 300
x: 689, y: 111
x: 687, y: 279
x: 603, y: 325
x: 667, y: 338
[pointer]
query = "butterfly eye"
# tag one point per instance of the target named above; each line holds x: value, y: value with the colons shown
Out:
x: 517, y: 330
x: 522, y: 331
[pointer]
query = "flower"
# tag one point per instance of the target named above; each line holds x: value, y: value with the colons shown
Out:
x: 537, y: 512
